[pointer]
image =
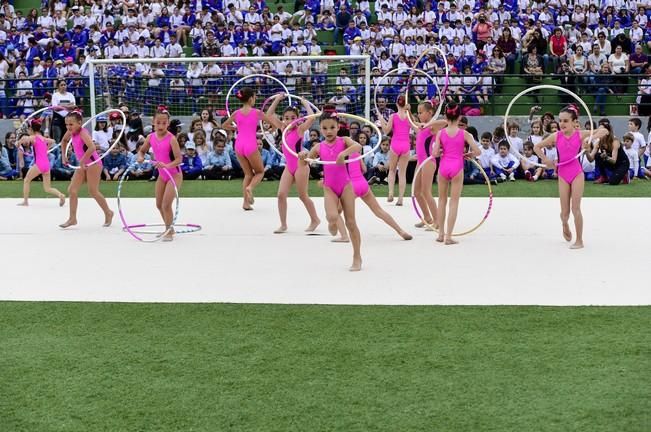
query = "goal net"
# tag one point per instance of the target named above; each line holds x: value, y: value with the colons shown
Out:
x: 189, y: 85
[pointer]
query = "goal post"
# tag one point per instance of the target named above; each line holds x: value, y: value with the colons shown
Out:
x: 188, y: 85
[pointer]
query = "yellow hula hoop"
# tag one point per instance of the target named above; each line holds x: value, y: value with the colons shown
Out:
x: 431, y: 226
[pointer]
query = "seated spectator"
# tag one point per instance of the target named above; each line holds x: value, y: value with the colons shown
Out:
x: 531, y: 172
x: 141, y: 171
x: 63, y: 172
x: 533, y: 69
x: 6, y: 170
x: 219, y: 166
x: 379, y: 169
x: 192, y: 166
x: 610, y: 159
x: 114, y: 164
x: 603, y: 84
x: 504, y: 163
x: 637, y: 61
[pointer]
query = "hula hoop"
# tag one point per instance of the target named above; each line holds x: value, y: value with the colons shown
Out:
x: 230, y: 90
x: 550, y: 87
x: 301, y: 98
x: 25, y: 124
x: 398, y: 70
x: 339, y: 115
x: 417, y: 209
x: 447, y: 79
x: 189, y: 228
x: 115, y: 142
x: 127, y: 227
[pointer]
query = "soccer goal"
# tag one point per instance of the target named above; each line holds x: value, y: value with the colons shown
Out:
x: 189, y: 85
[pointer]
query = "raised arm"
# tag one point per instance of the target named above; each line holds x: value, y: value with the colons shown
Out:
x: 307, y: 124
x: 271, y: 112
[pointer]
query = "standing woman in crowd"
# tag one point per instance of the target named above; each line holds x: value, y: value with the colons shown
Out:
x: 296, y: 171
x: 568, y: 142
x: 450, y: 145
x: 41, y: 165
x: 399, y: 127
x: 84, y: 149
x: 62, y: 102
x: 245, y: 121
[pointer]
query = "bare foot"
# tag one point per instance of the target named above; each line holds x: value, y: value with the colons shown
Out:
x: 390, y: 198
x: 577, y: 245
x: 108, y: 219
x: 280, y: 230
x: 62, y: 200
x: 341, y: 239
x: 332, y: 228
x: 567, y: 233
x: 420, y: 225
x: 68, y: 223
x: 247, y: 207
x: 248, y: 196
x: 313, y: 225
x: 357, y: 265
x: 23, y: 204
x: 399, y: 202
x: 405, y: 235
x: 440, y: 239
x: 168, y: 237
x: 449, y: 241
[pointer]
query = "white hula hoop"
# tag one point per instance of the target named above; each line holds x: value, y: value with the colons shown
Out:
x: 230, y: 90
x: 25, y: 124
x: 339, y: 115
x: 550, y: 87
x: 115, y: 142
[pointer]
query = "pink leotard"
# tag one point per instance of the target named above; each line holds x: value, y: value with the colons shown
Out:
x: 452, y: 158
x: 162, y: 148
x: 246, y: 143
x: 400, y: 138
x: 568, y: 148
x: 80, y: 147
x: 334, y: 176
x: 40, y: 154
x: 357, y: 180
x: 424, y: 139
x: 294, y: 142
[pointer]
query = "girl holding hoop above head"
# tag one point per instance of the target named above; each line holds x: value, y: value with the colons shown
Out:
x: 425, y: 135
x: 246, y: 121
x: 41, y: 164
x: 168, y: 158
x: 295, y: 171
x: 451, y: 142
x: 90, y: 168
x: 336, y: 183
x: 400, y: 146
x: 570, y: 172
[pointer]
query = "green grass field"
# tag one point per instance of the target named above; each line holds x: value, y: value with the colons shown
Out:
x: 233, y: 188
x: 171, y: 367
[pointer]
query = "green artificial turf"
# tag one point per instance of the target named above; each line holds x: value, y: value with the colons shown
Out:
x: 214, y: 367
x: 233, y: 188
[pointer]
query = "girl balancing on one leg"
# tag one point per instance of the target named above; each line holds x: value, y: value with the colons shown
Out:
x: 451, y: 141
x: 84, y: 148
x: 400, y: 146
x: 425, y: 134
x: 296, y: 171
x: 336, y: 183
x: 245, y: 120
x: 361, y: 190
x: 168, y: 155
x: 41, y: 164
x: 570, y: 173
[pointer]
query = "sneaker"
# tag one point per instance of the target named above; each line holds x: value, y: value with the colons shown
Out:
x: 601, y: 180
x: 512, y: 177
x: 503, y: 177
x: 528, y: 176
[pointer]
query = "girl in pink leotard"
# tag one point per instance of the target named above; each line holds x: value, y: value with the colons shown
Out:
x: 451, y: 142
x: 295, y: 171
x: 425, y: 136
x: 41, y: 163
x: 361, y: 190
x: 400, y: 145
x: 570, y: 174
x: 84, y: 149
x: 336, y: 183
x: 167, y: 154
x: 246, y: 120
